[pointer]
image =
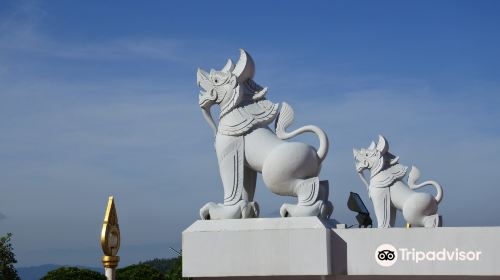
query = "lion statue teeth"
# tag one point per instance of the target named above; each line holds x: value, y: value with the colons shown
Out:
x: 389, y: 192
x: 246, y: 146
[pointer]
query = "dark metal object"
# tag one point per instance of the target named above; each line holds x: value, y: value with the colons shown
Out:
x: 355, y: 204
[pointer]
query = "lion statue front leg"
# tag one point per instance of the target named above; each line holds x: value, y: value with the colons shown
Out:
x: 385, y: 212
x: 238, y: 181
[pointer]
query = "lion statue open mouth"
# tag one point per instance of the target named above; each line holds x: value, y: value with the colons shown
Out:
x: 389, y: 192
x: 246, y: 146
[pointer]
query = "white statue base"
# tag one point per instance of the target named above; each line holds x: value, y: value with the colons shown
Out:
x: 257, y: 247
x: 311, y: 248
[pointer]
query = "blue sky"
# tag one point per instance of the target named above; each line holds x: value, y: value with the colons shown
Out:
x: 100, y: 98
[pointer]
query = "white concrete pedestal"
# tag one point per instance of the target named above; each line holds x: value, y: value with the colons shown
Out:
x: 257, y: 247
x: 309, y: 248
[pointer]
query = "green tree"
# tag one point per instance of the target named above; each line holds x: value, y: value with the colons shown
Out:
x: 138, y: 272
x: 7, y: 259
x: 74, y: 273
x: 163, y: 265
x: 175, y: 271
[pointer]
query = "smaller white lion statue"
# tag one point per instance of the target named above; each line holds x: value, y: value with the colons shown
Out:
x: 389, y: 192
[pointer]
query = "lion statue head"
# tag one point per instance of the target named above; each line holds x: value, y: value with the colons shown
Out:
x: 374, y: 158
x: 230, y: 87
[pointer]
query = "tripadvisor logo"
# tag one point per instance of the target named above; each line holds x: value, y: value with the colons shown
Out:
x: 387, y: 255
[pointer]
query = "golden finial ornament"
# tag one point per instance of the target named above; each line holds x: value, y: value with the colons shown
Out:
x: 110, y: 239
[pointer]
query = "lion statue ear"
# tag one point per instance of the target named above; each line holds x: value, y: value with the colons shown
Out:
x: 244, y: 68
x: 372, y: 146
x: 382, y: 145
x: 229, y: 67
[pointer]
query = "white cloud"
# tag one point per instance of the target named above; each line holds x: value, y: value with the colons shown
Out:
x: 22, y: 38
x: 20, y: 33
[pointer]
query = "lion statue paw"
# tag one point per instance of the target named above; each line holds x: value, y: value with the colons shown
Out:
x: 241, y: 210
x: 321, y: 209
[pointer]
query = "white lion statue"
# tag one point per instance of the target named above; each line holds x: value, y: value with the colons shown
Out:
x: 389, y: 192
x: 246, y: 146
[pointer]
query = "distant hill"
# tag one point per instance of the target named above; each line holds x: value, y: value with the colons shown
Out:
x: 37, y: 272
x: 163, y: 265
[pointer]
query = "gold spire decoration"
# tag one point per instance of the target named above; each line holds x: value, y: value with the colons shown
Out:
x: 110, y: 236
